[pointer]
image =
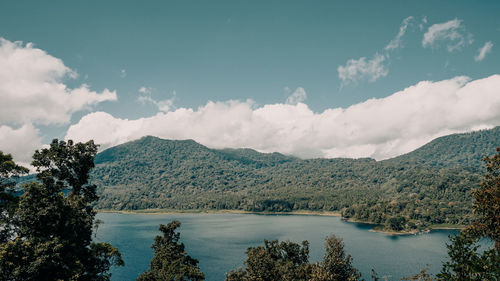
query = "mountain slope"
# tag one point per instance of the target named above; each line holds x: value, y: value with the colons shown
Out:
x: 457, y: 150
x: 428, y: 186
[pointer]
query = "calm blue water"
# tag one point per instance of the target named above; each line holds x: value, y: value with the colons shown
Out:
x: 219, y: 241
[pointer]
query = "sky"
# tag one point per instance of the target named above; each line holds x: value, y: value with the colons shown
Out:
x: 305, y: 78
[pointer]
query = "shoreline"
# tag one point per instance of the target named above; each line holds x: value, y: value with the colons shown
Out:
x: 415, y: 232
x: 301, y: 212
x: 172, y: 212
x: 377, y: 228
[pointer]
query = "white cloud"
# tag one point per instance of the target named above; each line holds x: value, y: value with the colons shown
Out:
x: 145, y: 90
x: 145, y: 99
x: 396, y: 42
x: 374, y: 68
x: 32, y: 92
x: 123, y: 73
x: 483, y: 51
x: 359, y: 69
x: 163, y: 105
x: 31, y: 87
x: 378, y: 128
x: 422, y: 23
x: 299, y: 95
x: 21, y: 142
x: 451, y: 31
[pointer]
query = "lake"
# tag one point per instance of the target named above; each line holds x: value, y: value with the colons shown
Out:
x: 219, y: 241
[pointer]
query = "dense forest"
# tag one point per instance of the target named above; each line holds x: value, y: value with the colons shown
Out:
x: 429, y: 186
x: 457, y: 150
x: 46, y: 232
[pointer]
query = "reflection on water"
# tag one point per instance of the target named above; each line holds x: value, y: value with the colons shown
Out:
x: 219, y: 241
x: 361, y: 225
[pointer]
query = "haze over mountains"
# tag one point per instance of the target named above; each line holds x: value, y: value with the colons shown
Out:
x: 430, y: 185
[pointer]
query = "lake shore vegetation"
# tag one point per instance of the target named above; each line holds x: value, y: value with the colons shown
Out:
x: 409, y: 193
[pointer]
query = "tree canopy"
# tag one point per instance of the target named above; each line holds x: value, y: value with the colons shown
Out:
x: 152, y: 173
x: 53, y: 221
x: 170, y: 261
x: 467, y: 260
x: 280, y: 261
x: 8, y: 201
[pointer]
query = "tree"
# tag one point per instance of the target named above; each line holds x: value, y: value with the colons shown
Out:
x: 395, y: 223
x: 487, y: 202
x: 54, y: 220
x: 421, y: 276
x: 336, y: 265
x: 8, y: 202
x: 170, y: 261
x: 466, y: 261
x: 287, y: 260
x: 275, y: 261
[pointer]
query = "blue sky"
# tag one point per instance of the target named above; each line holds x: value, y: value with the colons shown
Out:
x: 161, y: 57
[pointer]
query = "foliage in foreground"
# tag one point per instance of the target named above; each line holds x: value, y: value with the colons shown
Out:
x: 467, y: 262
x: 8, y: 202
x: 274, y: 261
x: 51, y: 226
x: 290, y: 261
x: 170, y: 261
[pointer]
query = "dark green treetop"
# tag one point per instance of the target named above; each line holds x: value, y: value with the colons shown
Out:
x: 487, y: 201
x: 467, y: 261
x: 170, y: 261
x: 337, y: 265
x: 280, y: 261
x: 275, y: 261
x: 54, y: 220
x: 8, y: 170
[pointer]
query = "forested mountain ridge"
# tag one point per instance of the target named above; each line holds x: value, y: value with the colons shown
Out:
x: 169, y: 150
x: 456, y: 150
x: 408, y: 192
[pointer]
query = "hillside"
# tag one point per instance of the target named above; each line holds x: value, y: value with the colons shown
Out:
x: 431, y: 185
x: 457, y: 150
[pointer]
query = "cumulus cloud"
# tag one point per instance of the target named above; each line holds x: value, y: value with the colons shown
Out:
x: 359, y: 69
x: 31, y: 87
x: 123, y: 73
x: 483, y: 51
x: 20, y: 142
x: 451, y: 32
x: 378, y: 128
x: 299, y: 95
x: 32, y: 91
x: 396, y: 42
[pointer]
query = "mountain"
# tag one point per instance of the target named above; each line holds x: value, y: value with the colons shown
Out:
x: 457, y: 150
x: 431, y: 185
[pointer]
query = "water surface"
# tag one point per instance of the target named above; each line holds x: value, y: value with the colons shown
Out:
x: 219, y: 241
